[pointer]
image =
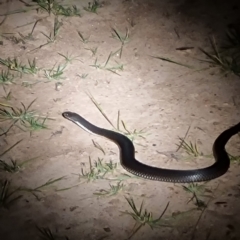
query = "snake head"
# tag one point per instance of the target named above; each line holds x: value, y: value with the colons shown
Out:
x: 70, y: 116
x: 66, y: 114
x: 81, y: 122
x: 76, y: 118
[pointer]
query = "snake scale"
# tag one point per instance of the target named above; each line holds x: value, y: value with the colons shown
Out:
x: 128, y: 161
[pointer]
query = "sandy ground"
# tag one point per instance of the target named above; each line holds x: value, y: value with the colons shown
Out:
x: 163, y: 98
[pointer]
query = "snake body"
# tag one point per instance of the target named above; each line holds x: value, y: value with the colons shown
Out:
x: 128, y: 161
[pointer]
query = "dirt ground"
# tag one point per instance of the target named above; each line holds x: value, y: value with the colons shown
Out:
x: 163, y: 98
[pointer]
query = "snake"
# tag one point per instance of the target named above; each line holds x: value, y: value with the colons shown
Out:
x: 132, y: 165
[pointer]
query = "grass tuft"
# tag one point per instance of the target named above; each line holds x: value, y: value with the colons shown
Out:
x: 143, y: 217
x: 7, y: 197
x: 105, y: 67
x: 68, y: 58
x: 228, y: 61
x: 92, y: 50
x: 197, y: 189
x: 190, y: 148
x: 55, y: 73
x: 132, y: 135
x: 92, y: 6
x: 123, y: 38
x: 98, y: 171
x: 83, y: 75
x: 15, y: 65
x: 6, y: 78
x: 114, y: 189
x: 52, y: 37
x: 46, y: 234
x: 13, y: 166
x: 52, y: 6
x: 82, y: 38
x: 47, y: 184
x: 27, y: 118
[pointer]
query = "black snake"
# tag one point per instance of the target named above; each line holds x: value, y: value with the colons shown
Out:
x: 128, y: 161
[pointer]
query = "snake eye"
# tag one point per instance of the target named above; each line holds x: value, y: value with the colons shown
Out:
x: 65, y: 114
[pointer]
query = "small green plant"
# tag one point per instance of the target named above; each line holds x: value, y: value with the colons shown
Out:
x: 7, y: 195
x: 104, y: 66
x: 46, y: 234
x: 232, y: 44
x: 132, y: 135
x: 4, y: 132
x: 27, y: 118
x: 98, y: 171
x: 83, y: 39
x: 122, y: 38
x: 234, y: 158
x: 93, y: 50
x: 196, y: 190
x: 55, y: 73
x: 13, y: 114
x: 92, y: 174
x: 47, y: 5
x: 51, y: 6
x: 26, y: 37
x: 67, y: 11
x: 228, y: 63
x: 97, y: 65
x: 12, y: 64
x: 143, y: 217
x: 39, y: 189
x: 83, y: 76
x: 114, y: 189
x: 105, y: 168
x: 35, y: 124
x: 99, y: 147
x: 8, y: 95
x: 14, y: 39
x: 131, y: 21
x: 13, y: 166
x: 190, y: 148
x: 6, y: 77
x: 6, y: 151
x: 32, y: 68
x: 30, y: 35
x: 53, y: 35
x: 68, y: 58
x: 116, y: 68
x: 172, y: 61
x: 92, y: 6
x: 15, y: 65
x: 29, y: 84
